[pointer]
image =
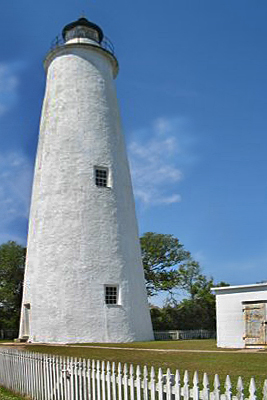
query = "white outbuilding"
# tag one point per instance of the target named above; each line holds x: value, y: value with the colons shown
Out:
x: 241, y: 316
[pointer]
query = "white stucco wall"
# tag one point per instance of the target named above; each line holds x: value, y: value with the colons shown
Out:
x: 229, y: 312
x: 82, y: 237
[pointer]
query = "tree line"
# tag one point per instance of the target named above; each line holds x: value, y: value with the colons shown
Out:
x: 168, y: 268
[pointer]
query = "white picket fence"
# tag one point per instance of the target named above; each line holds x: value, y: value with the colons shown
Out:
x: 184, y: 335
x: 45, y: 377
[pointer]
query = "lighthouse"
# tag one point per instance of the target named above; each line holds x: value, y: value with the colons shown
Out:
x: 84, y: 279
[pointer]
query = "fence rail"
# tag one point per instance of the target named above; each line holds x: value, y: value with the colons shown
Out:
x: 105, y: 44
x: 45, y: 377
x: 177, y: 335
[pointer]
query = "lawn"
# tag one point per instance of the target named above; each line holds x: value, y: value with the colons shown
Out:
x: 233, y: 363
x: 8, y: 395
x: 200, y: 344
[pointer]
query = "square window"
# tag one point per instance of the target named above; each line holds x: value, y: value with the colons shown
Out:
x: 101, y: 177
x: 111, y: 294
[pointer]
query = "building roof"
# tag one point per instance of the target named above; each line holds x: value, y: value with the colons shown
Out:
x: 238, y: 288
x: 83, y: 22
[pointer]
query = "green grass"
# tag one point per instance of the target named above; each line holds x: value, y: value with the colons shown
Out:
x: 8, y: 395
x: 233, y: 363
x: 6, y: 340
x: 200, y: 344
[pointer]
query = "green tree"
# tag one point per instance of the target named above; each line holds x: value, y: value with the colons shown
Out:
x: 191, y: 279
x: 162, y: 257
x: 12, y: 261
x: 169, y: 267
x: 198, y: 311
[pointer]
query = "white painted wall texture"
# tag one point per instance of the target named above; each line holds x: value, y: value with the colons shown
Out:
x: 229, y: 312
x: 82, y: 237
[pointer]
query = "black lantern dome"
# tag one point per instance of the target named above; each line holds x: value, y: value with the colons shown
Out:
x: 82, y: 28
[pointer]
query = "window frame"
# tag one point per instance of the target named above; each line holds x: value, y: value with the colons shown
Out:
x: 107, y: 178
x: 107, y: 286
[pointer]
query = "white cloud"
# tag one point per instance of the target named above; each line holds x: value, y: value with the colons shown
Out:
x: 156, y: 163
x: 9, y: 83
x: 15, y: 187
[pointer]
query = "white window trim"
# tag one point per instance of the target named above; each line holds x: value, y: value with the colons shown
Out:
x: 102, y: 168
x: 118, y: 304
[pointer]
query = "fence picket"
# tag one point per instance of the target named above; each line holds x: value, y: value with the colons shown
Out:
x: 145, y: 383
x: 50, y: 364
x: 125, y: 382
x: 119, y: 380
x: 103, y: 380
x: 160, y: 384
x: 98, y: 375
x: 228, y: 388
x: 34, y: 372
x: 84, y: 379
x: 65, y: 377
x: 108, y: 381
x: 32, y: 375
x: 88, y: 380
x: 61, y: 375
x: 152, y: 384
x: 264, y: 390
x: 239, y: 389
x: 131, y: 382
x: 185, y: 388
x: 93, y: 381
x: 138, y: 382
x: 252, y: 390
x: 216, y: 387
x: 79, y: 373
x: 57, y: 379
x: 177, y: 386
x: 75, y: 383
x: 45, y: 377
x: 195, y: 386
x: 205, y: 391
x: 70, y: 375
x: 114, y: 382
x: 168, y: 384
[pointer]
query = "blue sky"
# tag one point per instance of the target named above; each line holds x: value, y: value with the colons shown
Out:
x: 192, y: 90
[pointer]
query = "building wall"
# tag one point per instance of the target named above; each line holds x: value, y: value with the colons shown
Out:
x: 83, y: 237
x: 229, y: 310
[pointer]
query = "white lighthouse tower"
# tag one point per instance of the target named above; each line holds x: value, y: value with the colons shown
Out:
x: 84, y: 279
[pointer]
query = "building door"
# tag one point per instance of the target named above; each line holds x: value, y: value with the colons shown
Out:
x: 26, y: 320
x: 255, y: 323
